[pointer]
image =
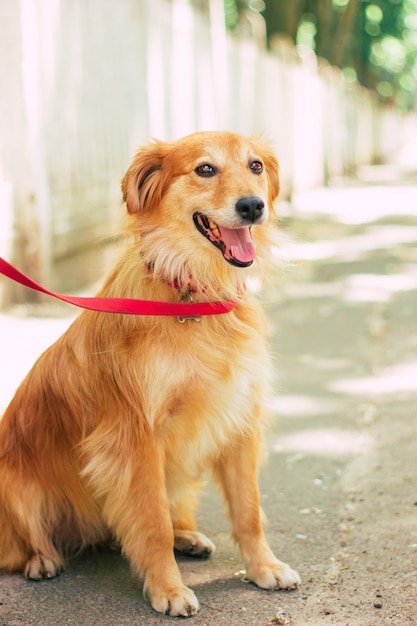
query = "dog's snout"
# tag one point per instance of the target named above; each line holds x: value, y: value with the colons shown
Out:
x: 250, y: 208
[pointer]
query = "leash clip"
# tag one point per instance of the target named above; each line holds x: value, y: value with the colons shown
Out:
x: 188, y: 297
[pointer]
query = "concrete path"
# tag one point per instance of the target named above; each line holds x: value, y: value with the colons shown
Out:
x: 340, y: 484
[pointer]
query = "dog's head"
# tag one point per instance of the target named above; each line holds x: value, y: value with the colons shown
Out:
x: 199, y: 205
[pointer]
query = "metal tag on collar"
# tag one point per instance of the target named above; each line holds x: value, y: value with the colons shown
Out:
x: 188, y: 297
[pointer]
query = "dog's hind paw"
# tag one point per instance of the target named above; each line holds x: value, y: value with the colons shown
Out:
x: 39, y: 567
x: 177, y: 602
x: 192, y: 543
x: 276, y: 575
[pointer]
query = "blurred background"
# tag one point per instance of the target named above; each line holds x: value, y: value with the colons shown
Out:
x: 333, y: 83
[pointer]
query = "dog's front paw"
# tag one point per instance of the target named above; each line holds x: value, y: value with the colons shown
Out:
x: 192, y: 543
x: 39, y: 567
x: 177, y: 602
x: 276, y: 575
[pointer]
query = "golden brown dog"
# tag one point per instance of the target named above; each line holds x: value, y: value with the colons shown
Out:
x: 114, y: 426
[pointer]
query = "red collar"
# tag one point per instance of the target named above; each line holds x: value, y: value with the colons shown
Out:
x: 129, y: 306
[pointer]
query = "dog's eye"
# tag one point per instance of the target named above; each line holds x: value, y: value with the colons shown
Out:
x: 205, y: 170
x: 256, y: 167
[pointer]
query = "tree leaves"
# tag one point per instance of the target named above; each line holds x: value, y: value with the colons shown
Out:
x: 372, y: 40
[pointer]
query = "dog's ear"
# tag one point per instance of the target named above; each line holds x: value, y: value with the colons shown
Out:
x: 142, y: 185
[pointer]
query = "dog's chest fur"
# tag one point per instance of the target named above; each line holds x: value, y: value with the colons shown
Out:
x: 201, y: 383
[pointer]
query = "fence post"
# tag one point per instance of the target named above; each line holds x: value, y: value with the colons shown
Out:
x: 34, y: 213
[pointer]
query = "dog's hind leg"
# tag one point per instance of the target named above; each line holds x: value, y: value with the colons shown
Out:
x: 14, y: 550
x: 193, y: 543
x: 25, y: 544
x: 187, y: 541
x: 39, y: 567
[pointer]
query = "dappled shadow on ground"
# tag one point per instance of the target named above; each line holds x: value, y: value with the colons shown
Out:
x: 344, y: 329
x: 342, y: 444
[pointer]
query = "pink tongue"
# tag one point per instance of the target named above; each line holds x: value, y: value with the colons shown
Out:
x: 240, y: 239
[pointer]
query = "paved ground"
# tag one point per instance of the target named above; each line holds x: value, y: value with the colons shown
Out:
x: 340, y: 484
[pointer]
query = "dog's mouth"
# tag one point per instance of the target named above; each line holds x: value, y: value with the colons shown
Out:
x: 235, y: 244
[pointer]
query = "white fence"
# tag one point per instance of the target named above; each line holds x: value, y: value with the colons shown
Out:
x: 83, y: 82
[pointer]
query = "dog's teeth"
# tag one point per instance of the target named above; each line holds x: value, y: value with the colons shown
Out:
x: 214, y: 229
x: 232, y: 252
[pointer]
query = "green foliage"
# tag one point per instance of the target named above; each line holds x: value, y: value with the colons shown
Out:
x: 387, y: 49
x: 231, y: 13
x: 374, y: 41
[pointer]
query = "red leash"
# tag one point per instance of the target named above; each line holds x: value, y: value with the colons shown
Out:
x: 128, y: 306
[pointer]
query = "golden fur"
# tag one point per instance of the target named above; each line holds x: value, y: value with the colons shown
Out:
x: 111, y: 431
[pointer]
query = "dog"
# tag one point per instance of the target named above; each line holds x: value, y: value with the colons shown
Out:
x: 111, y: 431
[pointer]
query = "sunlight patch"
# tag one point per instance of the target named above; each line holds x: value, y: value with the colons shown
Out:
x: 378, y: 287
x: 301, y: 406
x: 359, y: 205
x: 398, y: 378
x: 327, y: 442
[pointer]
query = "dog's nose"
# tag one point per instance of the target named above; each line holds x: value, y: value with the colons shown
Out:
x: 250, y: 208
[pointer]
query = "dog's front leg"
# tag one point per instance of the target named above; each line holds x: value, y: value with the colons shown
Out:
x: 136, y: 507
x: 236, y: 471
